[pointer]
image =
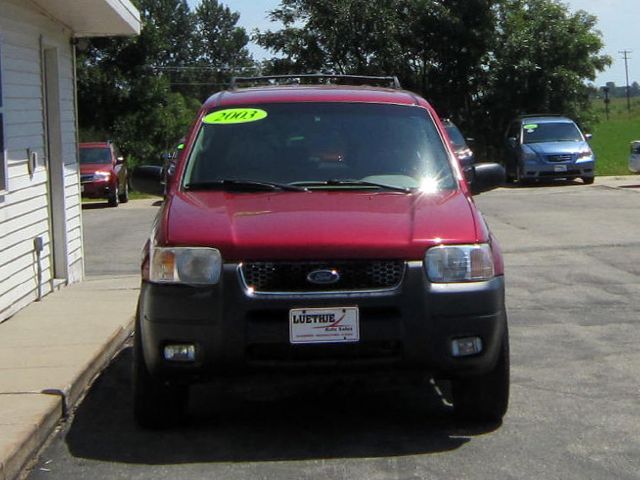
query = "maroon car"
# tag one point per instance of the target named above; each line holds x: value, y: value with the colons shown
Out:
x: 103, y: 174
x: 321, y: 229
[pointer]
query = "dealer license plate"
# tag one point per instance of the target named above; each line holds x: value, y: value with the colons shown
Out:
x: 559, y: 168
x: 324, y: 325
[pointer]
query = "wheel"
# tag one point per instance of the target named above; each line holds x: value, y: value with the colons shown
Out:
x: 484, y: 397
x: 156, y: 404
x: 124, y: 196
x: 588, y: 180
x: 114, y: 198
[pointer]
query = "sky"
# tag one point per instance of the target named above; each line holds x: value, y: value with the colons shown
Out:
x: 617, y: 20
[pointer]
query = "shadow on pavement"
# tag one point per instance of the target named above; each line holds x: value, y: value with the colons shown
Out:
x: 228, y: 426
x: 95, y: 205
x: 546, y: 183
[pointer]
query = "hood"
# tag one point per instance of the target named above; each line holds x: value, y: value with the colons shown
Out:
x: 86, y: 168
x: 318, y: 224
x: 558, y: 148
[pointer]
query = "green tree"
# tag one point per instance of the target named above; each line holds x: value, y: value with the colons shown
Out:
x: 143, y: 92
x: 436, y: 48
x: 480, y: 61
x: 540, y: 63
x: 341, y: 36
x: 221, y: 47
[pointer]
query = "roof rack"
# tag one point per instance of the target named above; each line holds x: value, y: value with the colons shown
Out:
x: 315, y: 78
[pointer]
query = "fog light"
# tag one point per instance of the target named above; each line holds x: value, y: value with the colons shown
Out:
x: 461, y: 347
x: 180, y: 353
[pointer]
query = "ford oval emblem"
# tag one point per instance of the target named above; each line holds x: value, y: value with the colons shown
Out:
x: 323, y: 277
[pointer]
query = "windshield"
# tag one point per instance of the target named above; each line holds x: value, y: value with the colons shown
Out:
x: 551, y: 132
x: 95, y: 155
x: 321, y: 144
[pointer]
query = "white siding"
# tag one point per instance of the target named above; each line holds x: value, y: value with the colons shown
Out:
x: 24, y: 207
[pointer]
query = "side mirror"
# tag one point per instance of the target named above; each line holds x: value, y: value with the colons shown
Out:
x: 512, y: 142
x: 148, y: 179
x: 487, y: 176
x: 119, y: 160
x: 588, y: 136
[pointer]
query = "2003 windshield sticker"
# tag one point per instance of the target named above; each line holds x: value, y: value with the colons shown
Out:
x: 234, y: 115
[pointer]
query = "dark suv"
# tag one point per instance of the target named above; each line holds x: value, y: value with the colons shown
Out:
x: 319, y: 229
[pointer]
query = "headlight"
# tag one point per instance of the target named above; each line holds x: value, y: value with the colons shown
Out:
x: 102, y: 175
x: 585, y: 155
x: 459, y: 263
x: 192, y: 266
x: 530, y: 156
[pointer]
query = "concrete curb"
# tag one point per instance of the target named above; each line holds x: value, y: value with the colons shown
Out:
x: 51, y: 352
x: 31, y: 442
x: 26, y: 448
x: 97, y: 364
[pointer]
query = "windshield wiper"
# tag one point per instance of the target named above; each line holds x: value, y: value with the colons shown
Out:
x: 353, y: 183
x: 243, y: 185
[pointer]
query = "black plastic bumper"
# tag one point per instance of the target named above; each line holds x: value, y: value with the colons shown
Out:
x: 236, y: 331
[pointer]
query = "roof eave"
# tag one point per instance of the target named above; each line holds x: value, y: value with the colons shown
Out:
x: 94, y: 18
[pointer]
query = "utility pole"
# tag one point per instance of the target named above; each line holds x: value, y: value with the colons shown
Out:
x: 625, y: 55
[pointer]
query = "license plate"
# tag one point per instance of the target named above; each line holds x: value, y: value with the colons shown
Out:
x: 559, y: 168
x: 324, y: 325
x: 81, y: 188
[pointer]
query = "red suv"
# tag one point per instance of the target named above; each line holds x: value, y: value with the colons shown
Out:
x: 320, y: 229
x: 103, y: 174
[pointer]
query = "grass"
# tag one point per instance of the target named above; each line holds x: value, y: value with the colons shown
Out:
x: 611, y: 137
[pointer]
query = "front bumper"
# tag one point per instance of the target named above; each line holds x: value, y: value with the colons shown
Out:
x: 96, y: 189
x: 236, y: 331
x: 547, y: 170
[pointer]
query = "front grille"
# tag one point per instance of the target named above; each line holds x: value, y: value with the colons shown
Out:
x: 560, y: 174
x: 565, y: 157
x: 359, y: 275
x: 86, y: 178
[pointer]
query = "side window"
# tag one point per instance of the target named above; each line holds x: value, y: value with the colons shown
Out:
x: 3, y: 157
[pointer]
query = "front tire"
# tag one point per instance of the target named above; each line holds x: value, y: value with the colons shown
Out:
x: 124, y: 196
x: 114, y: 198
x: 156, y: 404
x: 484, y: 397
x: 588, y: 180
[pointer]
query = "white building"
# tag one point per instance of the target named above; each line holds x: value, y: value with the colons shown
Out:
x: 40, y: 210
